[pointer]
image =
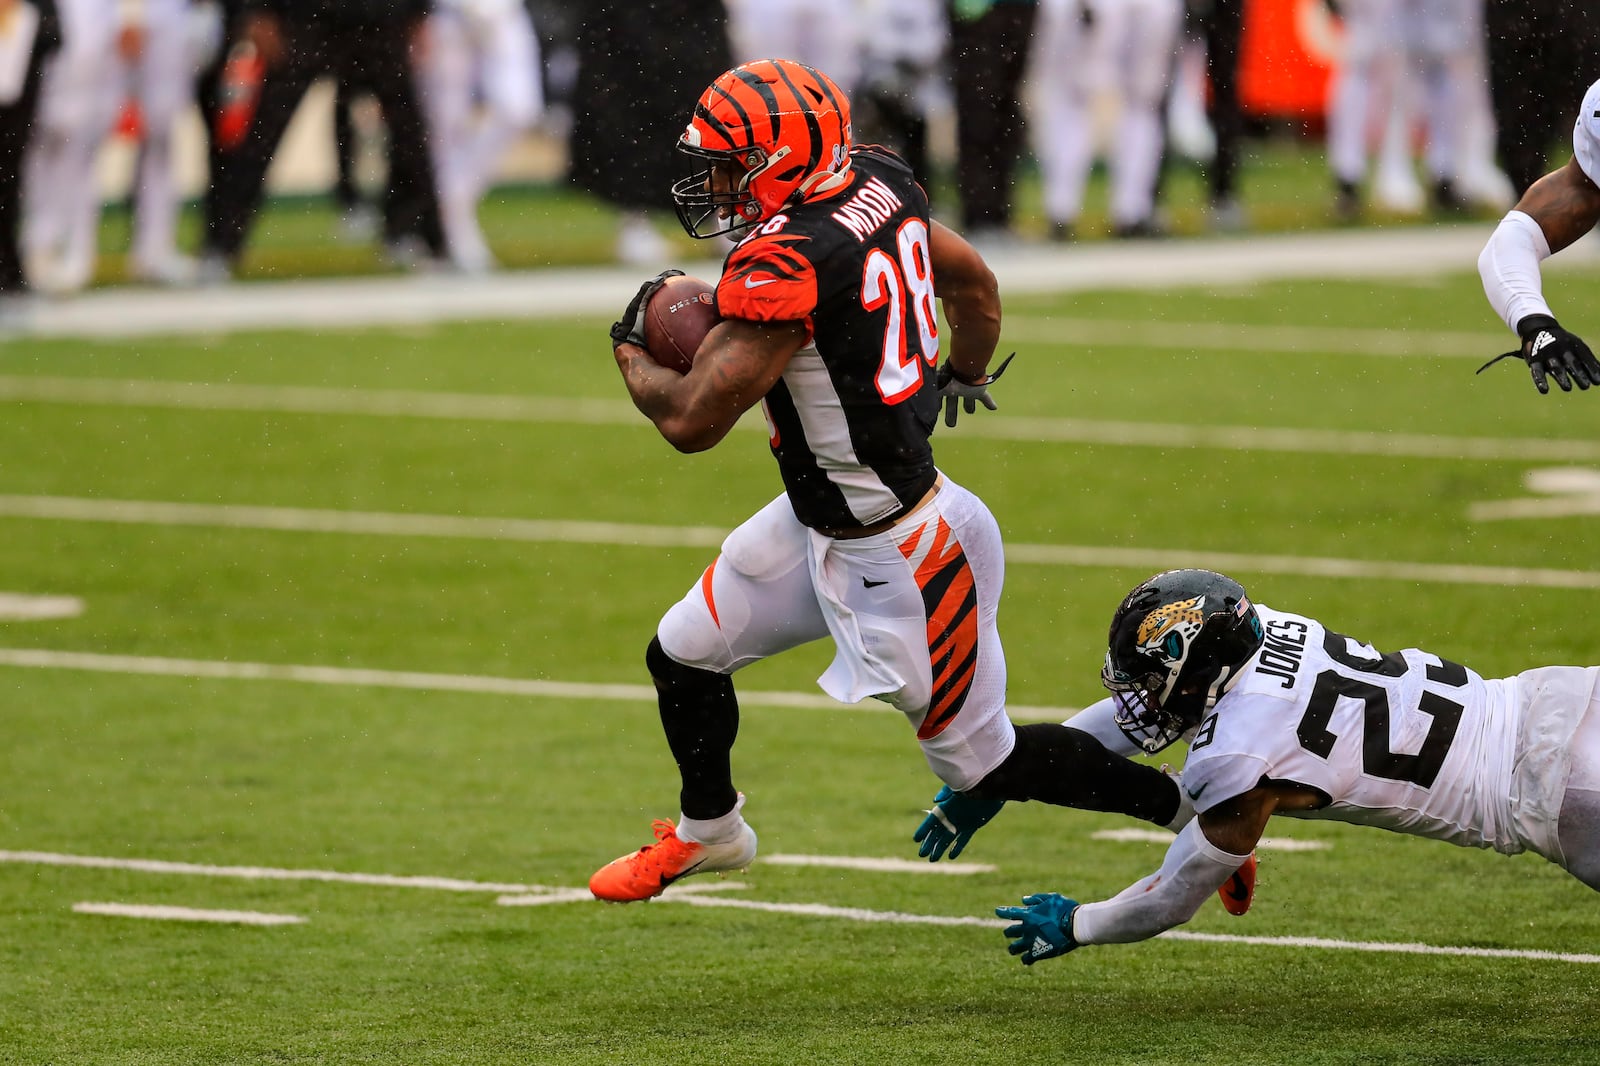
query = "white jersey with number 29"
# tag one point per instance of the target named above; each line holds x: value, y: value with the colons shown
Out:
x: 1405, y: 741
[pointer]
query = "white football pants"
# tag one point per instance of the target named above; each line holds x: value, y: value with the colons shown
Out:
x: 912, y: 613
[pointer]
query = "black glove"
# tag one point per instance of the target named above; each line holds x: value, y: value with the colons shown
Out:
x: 1550, y: 350
x: 630, y: 328
x: 955, y: 391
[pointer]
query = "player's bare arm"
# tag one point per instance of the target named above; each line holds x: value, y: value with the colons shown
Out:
x: 1237, y: 825
x: 737, y: 364
x: 1565, y: 203
x: 971, y: 297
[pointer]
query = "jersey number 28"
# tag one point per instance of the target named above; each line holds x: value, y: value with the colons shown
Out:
x: 903, y: 282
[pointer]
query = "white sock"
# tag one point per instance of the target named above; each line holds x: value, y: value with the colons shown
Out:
x: 712, y: 830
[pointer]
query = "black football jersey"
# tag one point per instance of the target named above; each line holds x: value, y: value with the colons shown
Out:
x: 851, y: 416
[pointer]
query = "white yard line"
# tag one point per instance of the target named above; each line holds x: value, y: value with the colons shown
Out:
x: 19, y: 607
x: 232, y: 670
x: 1541, y: 507
x: 583, y: 895
x: 882, y: 866
x: 856, y: 914
x: 549, y: 411
x: 381, y: 523
x: 1156, y: 836
x: 1382, y: 947
x: 706, y: 895
x: 186, y: 914
x: 1231, y: 337
x: 1300, y: 565
x: 262, y: 873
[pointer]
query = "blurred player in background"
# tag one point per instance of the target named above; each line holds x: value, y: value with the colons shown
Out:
x: 989, y: 46
x: 828, y: 321
x: 1285, y: 716
x: 482, y: 89
x: 1541, y: 53
x: 111, y: 53
x: 903, y: 81
x: 1119, y: 51
x: 825, y: 34
x: 627, y: 102
x: 297, y: 42
x: 1555, y: 211
x: 29, y: 33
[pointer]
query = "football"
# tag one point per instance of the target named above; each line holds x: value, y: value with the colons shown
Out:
x: 677, y: 319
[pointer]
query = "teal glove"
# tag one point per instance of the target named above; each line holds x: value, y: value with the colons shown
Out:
x: 968, y: 10
x: 953, y: 820
x: 1043, y: 929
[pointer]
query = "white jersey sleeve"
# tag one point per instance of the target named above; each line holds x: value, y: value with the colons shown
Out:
x: 1586, y: 134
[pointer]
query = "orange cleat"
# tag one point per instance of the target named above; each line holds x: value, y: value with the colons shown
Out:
x: 645, y: 874
x: 1239, y: 890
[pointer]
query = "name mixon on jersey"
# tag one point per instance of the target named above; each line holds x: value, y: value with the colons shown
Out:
x: 872, y: 205
x: 1282, y: 650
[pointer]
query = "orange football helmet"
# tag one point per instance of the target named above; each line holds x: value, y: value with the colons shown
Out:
x: 780, y: 129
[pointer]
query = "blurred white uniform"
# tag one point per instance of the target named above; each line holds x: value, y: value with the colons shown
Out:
x: 1086, y: 50
x: 1366, y: 90
x: 85, y: 85
x: 480, y: 52
x: 1411, y: 63
x: 819, y: 33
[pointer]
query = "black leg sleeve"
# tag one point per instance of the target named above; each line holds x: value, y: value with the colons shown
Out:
x: 701, y: 718
x: 1069, y: 768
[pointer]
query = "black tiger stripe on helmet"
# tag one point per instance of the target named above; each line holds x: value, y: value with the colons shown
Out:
x: 784, y: 128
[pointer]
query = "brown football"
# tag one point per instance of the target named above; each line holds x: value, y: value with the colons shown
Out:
x: 677, y: 319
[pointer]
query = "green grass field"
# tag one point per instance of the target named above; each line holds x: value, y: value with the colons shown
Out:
x: 140, y: 730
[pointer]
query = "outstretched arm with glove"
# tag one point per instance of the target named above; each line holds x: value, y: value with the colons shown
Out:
x: 1202, y: 858
x: 1558, y: 209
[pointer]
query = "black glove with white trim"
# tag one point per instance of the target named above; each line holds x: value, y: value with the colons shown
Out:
x: 630, y: 328
x: 1551, y: 351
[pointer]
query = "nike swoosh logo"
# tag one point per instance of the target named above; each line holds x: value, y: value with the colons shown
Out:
x: 1194, y: 793
x: 681, y: 874
x: 866, y: 584
x: 751, y: 283
x: 1236, y: 889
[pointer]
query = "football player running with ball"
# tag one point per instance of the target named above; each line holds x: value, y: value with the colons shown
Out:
x: 1285, y: 716
x: 829, y: 322
x: 1555, y: 211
